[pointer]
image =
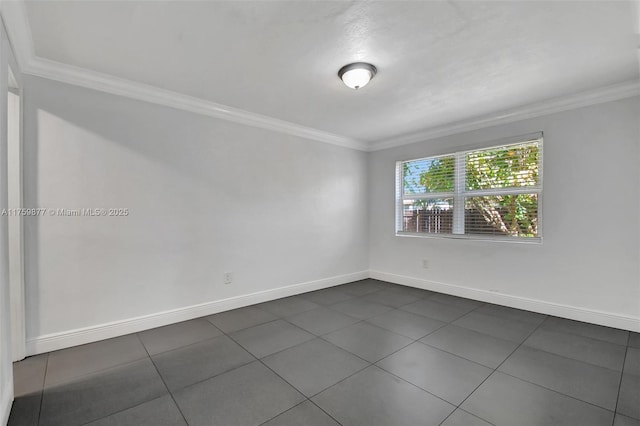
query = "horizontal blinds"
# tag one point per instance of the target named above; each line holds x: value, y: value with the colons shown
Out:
x: 433, y: 175
x: 510, y: 166
x: 492, y: 192
x: 434, y: 216
x: 504, y: 215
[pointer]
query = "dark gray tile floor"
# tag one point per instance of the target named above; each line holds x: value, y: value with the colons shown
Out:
x: 364, y: 353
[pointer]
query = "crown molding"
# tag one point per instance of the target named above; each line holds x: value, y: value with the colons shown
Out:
x: 117, y: 86
x: 17, y: 25
x: 604, y: 94
x: 15, y: 15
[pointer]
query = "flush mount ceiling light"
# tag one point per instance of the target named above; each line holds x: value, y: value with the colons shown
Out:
x: 357, y: 75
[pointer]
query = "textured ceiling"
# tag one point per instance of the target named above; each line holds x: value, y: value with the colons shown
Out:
x: 438, y: 61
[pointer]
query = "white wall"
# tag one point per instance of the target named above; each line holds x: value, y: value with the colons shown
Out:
x: 208, y: 196
x: 6, y: 370
x: 587, y: 266
x: 205, y: 197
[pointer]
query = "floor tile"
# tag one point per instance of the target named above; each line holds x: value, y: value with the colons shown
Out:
x: 506, y: 401
x: 186, y: 366
x: 632, y: 362
x: 406, y: 323
x: 587, y: 382
x: 360, y: 288
x: 98, y: 395
x: 327, y: 296
x: 621, y: 420
x: 462, y: 418
x: 566, y: 372
x: 442, y: 374
x: 78, y: 361
x: 28, y: 378
x: 511, y: 313
x: 359, y: 308
x: 516, y: 331
x: 374, y: 397
x: 594, y: 331
x: 435, y: 310
x: 314, y: 366
x: 634, y: 340
x: 25, y: 411
x: 459, y: 302
x: 592, y: 351
x: 174, y: 336
x: 367, y: 341
x: 28, y: 375
x: 305, y: 414
x: 629, y: 398
x: 269, y: 338
x: 239, y: 319
x: 288, y: 306
x: 392, y: 298
x: 159, y: 412
x: 248, y: 395
x: 321, y: 321
x: 478, y: 347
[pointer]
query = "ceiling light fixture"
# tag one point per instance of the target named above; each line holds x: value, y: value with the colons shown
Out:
x: 357, y: 75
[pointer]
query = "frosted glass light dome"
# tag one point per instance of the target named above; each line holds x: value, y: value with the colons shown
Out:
x: 357, y: 75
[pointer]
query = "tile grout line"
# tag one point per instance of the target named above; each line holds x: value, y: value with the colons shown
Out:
x: 96, y: 372
x: 121, y: 411
x: 44, y: 380
x: 285, y: 411
x: 321, y: 336
x: 574, y: 333
x: 224, y: 334
x: 417, y: 387
x: 418, y: 341
x: 399, y: 308
x: 493, y: 372
x: 444, y: 324
x: 369, y: 364
x: 536, y: 384
x: 325, y: 411
x: 101, y: 370
x: 557, y: 392
x: 283, y: 379
x: 560, y: 356
x: 185, y: 346
x: 162, y: 378
x: 576, y: 360
x: 315, y: 337
x: 214, y: 376
x: 255, y: 358
x: 624, y: 361
x: 373, y: 364
x: 595, y: 340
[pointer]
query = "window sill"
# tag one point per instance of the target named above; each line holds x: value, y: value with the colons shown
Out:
x: 490, y: 239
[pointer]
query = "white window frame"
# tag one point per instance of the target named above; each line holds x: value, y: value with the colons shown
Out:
x: 460, y: 192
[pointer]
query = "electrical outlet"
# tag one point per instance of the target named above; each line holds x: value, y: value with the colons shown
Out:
x: 228, y: 277
x: 425, y: 263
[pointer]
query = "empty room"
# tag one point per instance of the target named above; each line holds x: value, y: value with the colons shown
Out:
x: 319, y: 213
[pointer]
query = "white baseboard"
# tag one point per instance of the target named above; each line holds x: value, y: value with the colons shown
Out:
x: 55, y: 341
x: 549, y: 308
x: 6, y: 400
x: 80, y: 336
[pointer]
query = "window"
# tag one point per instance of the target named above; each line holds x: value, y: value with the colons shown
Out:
x: 492, y: 193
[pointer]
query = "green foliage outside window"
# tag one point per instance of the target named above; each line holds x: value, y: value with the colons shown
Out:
x: 515, y: 166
